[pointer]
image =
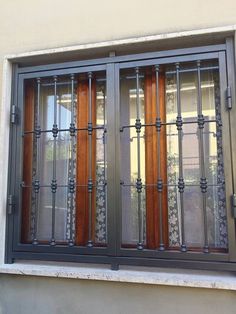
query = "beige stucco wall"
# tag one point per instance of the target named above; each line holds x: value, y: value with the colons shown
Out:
x: 28, y: 25
x: 27, y: 295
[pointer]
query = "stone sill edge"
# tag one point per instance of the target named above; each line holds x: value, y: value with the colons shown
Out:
x: 177, y: 279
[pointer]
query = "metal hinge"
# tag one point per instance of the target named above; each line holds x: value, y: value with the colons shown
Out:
x: 234, y: 205
x: 13, y: 114
x: 11, y: 203
x: 229, y: 97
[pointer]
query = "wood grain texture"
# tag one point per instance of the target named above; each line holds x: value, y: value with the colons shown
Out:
x: 27, y: 160
x: 82, y: 163
x: 151, y: 162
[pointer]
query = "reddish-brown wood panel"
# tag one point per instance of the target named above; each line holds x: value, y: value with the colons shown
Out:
x: 27, y: 159
x: 151, y: 163
x: 150, y: 166
x: 82, y: 163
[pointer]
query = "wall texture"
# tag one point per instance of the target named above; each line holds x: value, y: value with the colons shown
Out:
x: 28, y: 25
x: 27, y: 295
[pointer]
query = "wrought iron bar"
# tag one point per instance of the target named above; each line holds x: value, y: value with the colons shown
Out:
x: 181, y: 184
x: 169, y: 123
x: 72, y: 179
x: 36, y: 183
x: 23, y: 185
x: 90, y: 181
x: 159, y: 178
x: 63, y: 130
x: 203, y: 180
x: 169, y: 185
x: 54, y: 180
x: 104, y: 153
x: 139, y: 186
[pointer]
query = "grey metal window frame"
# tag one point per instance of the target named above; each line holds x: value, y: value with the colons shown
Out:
x: 113, y: 254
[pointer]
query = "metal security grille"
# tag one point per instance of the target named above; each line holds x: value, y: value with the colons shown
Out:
x: 149, y: 167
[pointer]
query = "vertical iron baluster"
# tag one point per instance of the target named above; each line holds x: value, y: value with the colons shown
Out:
x: 203, y: 180
x: 54, y: 180
x: 104, y: 152
x: 159, y: 179
x: 71, y: 179
x: 90, y: 181
x: 36, y: 183
x: 181, y: 184
x: 139, y: 179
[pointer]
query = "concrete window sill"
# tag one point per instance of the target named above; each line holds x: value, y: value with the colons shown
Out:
x: 140, y: 275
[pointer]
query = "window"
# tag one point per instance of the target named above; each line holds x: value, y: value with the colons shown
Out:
x: 125, y: 160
